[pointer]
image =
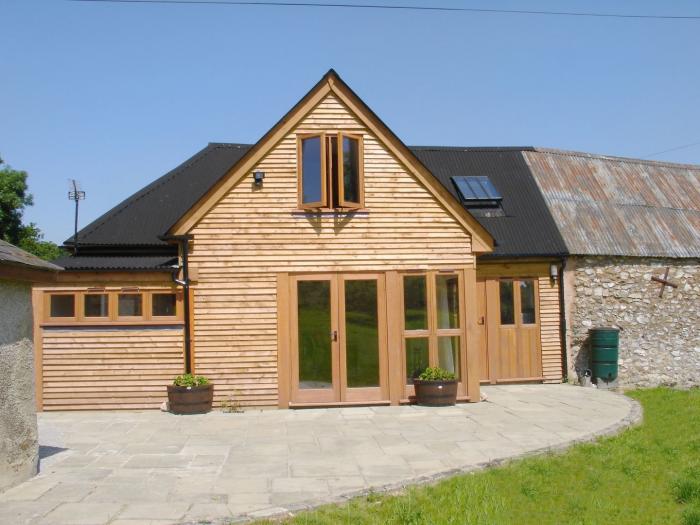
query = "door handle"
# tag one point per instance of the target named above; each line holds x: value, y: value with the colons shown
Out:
x: 481, y: 320
x: 334, y: 336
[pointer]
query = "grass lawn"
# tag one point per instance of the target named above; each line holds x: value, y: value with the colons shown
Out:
x: 647, y: 475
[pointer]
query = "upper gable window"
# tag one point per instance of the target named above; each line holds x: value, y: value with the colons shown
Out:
x: 330, y: 171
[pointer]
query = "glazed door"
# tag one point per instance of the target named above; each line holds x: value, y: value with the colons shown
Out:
x: 481, y: 328
x: 338, y: 338
x: 518, y: 351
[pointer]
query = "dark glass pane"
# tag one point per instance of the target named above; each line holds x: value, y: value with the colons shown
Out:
x: 62, y: 306
x: 333, y: 162
x: 448, y: 354
x: 97, y: 305
x: 415, y: 302
x: 447, y: 289
x: 507, y: 308
x: 311, y: 170
x: 163, y: 304
x: 130, y: 305
x: 351, y: 169
x: 416, y: 357
x: 527, y: 301
x: 361, y: 333
x: 314, y: 317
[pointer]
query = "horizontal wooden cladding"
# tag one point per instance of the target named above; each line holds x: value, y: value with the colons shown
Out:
x: 235, y: 337
x: 109, y: 368
x: 550, y: 330
x: 252, y: 234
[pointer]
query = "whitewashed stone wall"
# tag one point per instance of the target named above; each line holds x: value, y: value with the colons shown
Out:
x: 660, y: 337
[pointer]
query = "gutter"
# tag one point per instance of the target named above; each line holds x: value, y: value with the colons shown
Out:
x: 183, y: 242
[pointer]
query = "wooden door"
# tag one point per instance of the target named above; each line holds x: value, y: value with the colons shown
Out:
x: 519, y: 355
x: 362, y: 338
x: 514, y: 340
x: 314, y: 339
x: 338, y: 338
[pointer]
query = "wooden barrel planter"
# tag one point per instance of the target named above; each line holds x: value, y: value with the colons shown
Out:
x: 435, y: 393
x: 190, y: 399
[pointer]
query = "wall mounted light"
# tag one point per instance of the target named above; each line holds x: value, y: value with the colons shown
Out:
x: 258, y: 177
x: 554, y: 272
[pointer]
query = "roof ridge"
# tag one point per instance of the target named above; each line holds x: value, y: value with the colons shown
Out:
x: 617, y: 158
x: 473, y: 148
x: 146, y: 190
x: 230, y: 144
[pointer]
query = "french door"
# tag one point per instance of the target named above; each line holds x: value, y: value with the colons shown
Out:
x: 338, y: 338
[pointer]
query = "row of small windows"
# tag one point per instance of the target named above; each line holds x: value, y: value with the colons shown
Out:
x: 91, y: 306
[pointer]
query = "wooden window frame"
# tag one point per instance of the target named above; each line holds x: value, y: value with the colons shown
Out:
x: 114, y: 319
x: 300, y: 175
x: 360, y: 175
x: 178, y: 307
x: 433, y: 332
x: 327, y: 172
x: 68, y: 319
x: 536, y: 294
x: 517, y: 301
x: 512, y: 280
x: 110, y: 305
x: 144, y: 306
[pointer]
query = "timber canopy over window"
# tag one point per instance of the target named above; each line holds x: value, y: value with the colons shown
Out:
x: 330, y: 171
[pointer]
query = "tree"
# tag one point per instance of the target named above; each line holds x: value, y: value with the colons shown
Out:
x: 14, y: 198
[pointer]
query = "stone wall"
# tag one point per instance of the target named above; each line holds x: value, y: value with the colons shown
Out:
x: 19, y: 453
x: 660, y: 336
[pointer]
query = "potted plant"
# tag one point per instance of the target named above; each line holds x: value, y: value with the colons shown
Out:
x: 435, y: 387
x: 190, y: 394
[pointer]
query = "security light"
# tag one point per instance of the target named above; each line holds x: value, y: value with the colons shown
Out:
x: 258, y: 177
x: 554, y: 272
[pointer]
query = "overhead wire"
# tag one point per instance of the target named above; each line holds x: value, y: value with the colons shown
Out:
x: 264, y: 3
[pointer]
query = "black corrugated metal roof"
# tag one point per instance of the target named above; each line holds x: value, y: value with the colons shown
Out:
x: 526, y: 227
x: 148, y: 213
x: 112, y: 262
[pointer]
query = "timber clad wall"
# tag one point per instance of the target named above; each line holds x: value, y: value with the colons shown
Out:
x: 108, y: 368
x: 550, y: 331
x: 254, y: 233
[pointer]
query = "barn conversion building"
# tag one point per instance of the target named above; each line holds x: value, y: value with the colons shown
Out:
x: 626, y: 224
x: 322, y: 266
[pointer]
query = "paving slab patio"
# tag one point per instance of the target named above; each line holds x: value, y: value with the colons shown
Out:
x: 114, y: 468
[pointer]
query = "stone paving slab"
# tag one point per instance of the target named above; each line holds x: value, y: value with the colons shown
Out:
x: 113, y: 468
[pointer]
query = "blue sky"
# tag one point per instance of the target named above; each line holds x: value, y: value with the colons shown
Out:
x: 116, y: 95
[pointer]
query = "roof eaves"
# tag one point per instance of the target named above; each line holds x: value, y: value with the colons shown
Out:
x: 124, y: 205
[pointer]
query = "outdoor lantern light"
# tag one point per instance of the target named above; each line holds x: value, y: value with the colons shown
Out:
x: 258, y: 177
x: 553, y: 272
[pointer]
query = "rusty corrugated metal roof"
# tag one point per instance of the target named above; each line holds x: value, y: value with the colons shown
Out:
x: 619, y: 206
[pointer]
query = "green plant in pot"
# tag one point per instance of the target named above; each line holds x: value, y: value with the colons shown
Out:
x: 190, y: 394
x: 435, y: 387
